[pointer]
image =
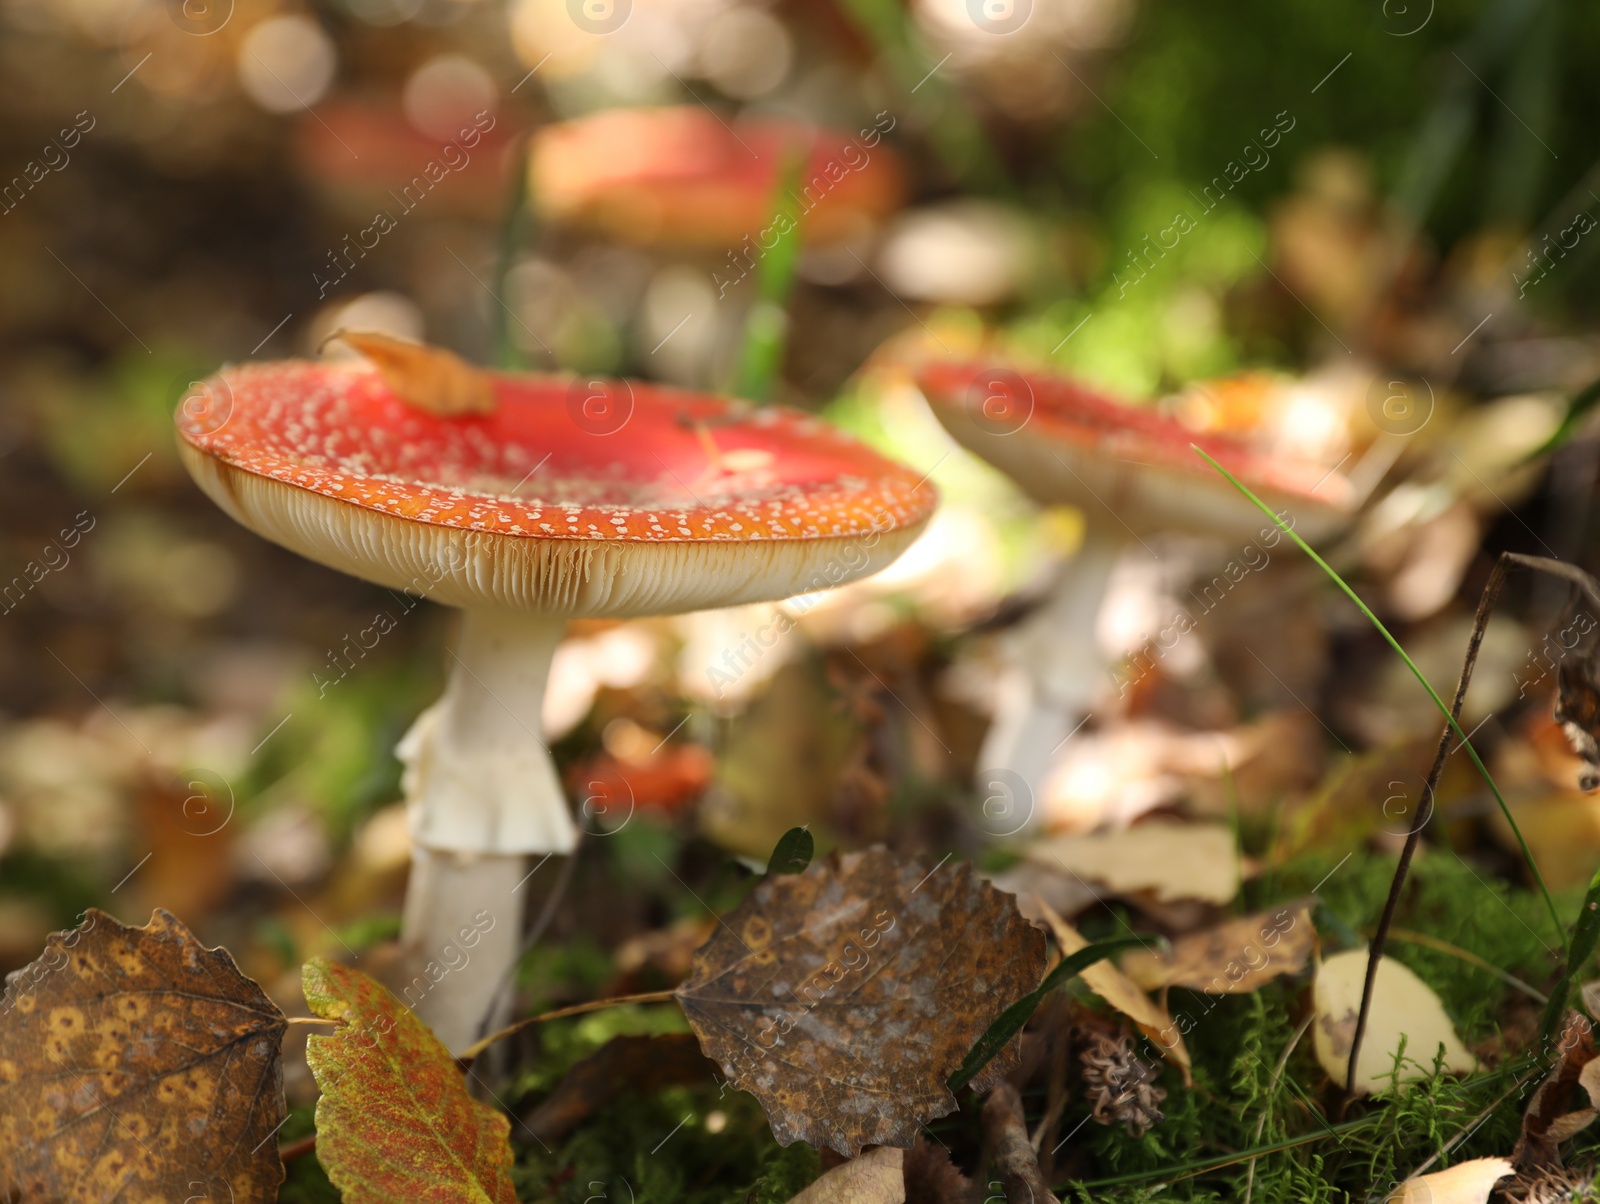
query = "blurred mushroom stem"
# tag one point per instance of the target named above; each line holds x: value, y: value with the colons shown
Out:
x: 1053, y: 675
x: 481, y: 795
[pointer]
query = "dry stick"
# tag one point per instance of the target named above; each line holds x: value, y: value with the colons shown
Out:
x: 1005, y: 1129
x: 295, y: 1149
x: 1380, y: 937
x: 1480, y: 623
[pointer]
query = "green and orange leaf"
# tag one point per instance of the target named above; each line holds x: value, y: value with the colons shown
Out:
x: 395, y: 1121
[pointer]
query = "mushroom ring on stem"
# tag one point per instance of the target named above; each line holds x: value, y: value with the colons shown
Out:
x: 567, y: 499
x: 1133, y: 472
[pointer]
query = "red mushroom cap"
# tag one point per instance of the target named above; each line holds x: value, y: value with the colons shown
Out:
x: 571, y: 498
x: 1065, y: 443
x: 684, y: 176
x: 370, y: 155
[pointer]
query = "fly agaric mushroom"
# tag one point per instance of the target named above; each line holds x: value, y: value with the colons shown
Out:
x: 682, y: 176
x: 1133, y: 472
x: 567, y: 499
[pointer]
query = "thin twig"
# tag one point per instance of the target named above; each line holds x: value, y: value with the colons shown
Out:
x: 297, y: 1149
x: 1016, y: 1162
x: 577, y: 1009
x: 1480, y: 623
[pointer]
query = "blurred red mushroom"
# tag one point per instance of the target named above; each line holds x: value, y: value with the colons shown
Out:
x: 1133, y: 472
x: 686, y: 177
x: 666, y: 781
x: 369, y: 158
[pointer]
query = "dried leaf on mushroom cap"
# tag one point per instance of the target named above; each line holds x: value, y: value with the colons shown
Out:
x: 429, y: 378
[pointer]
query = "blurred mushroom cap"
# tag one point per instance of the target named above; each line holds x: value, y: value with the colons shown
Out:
x: 685, y: 176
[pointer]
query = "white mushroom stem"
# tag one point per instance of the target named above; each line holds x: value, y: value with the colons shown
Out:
x: 1055, y: 674
x: 461, y: 931
x: 481, y: 794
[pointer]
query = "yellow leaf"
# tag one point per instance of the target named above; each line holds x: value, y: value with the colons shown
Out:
x: 1403, y: 1008
x: 876, y: 1177
x: 1169, y: 860
x: 1465, y: 1183
x: 1117, y: 989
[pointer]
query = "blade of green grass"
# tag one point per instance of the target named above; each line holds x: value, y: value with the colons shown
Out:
x: 1585, y: 934
x: 1577, y: 409
x: 1544, y: 891
x: 515, y: 229
x: 767, y: 326
x: 1184, y: 1170
x: 1010, y: 1022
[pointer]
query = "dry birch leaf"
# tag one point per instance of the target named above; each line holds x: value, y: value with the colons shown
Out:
x: 843, y: 998
x: 1235, y: 957
x: 1465, y: 1183
x: 136, y: 1064
x: 1566, y: 1101
x: 1169, y: 861
x: 877, y: 1177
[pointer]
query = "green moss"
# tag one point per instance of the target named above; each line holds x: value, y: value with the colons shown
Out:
x: 679, y: 1147
x: 1237, y: 1041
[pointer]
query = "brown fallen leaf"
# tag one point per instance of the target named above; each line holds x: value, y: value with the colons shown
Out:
x: 427, y: 377
x: 1117, y: 989
x: 621, y: 1066
x: 136, y: 1064
x: 844, y: 997
x: 1235, y: 957
x: 1465, y: 1183
x: 877, y: 1177
x: 395, y: 1121
x: 1565, y: 1103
